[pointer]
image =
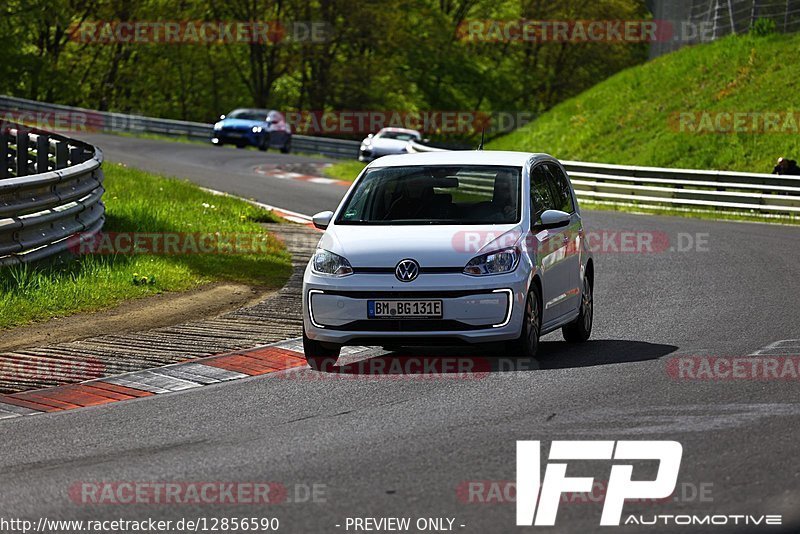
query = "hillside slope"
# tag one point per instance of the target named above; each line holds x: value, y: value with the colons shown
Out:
x: 634, y: 116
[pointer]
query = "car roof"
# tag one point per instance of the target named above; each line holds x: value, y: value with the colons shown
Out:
x: 401, y: 130
x: 254, y: 110
x: 460, y: 157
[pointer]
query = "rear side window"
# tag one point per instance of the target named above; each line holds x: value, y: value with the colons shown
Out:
x: 562, y: 195
x: 541, y: 192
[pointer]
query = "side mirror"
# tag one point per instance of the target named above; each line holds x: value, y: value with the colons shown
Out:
x: 221, y: 117
x: 322, y: 219
x: 553, y: 219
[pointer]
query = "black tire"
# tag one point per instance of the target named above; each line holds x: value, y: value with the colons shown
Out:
x: 264, y: 145
x: 527, y: 344
x: 287, y: 147
x: 320, y: 356
x: 580, y: 329
x: 240, y: 145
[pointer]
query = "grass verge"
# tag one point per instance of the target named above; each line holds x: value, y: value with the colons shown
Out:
x: 144, y: 203
x: 665, y: 113
x: 344, y: 170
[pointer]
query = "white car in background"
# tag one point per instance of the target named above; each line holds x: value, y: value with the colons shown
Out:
x: 387, y: 141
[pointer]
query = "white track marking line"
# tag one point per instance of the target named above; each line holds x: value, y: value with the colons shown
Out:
x: 783, y: 347
x: 300, y: 216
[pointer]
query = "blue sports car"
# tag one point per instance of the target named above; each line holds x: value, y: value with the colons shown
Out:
x: 261, y: 128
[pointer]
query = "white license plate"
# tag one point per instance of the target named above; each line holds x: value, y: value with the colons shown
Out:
x: 399, y: 309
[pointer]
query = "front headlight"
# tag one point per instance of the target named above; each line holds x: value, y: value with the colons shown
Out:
x: 218, y: 126
x: 497, y: 262
x: 257, y: 129
x: 326, y: 262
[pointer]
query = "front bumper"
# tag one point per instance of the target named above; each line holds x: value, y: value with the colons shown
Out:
x: 236, y: 137
x: 474, y: 310
x: 371, y: 154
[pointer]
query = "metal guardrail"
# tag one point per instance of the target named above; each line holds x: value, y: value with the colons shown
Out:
x: 647, y: 187
x: 654, y: 187
x: 50, y: 190
x: 104, y: 121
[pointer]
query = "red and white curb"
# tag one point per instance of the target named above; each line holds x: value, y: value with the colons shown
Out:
x: 190, y: 374
x: 171, y: 378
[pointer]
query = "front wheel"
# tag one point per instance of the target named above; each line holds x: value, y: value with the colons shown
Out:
x: 579, y: 330
x: 320, y: 356
x: 527, y: 344
x: 264, y: 144
x: 286, y: 148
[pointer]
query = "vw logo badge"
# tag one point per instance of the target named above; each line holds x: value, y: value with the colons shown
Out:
x: 407, y: 270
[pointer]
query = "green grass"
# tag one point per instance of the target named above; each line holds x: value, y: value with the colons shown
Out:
x: 140, y: 202
x: 345, y: 170
x: 630, y: 118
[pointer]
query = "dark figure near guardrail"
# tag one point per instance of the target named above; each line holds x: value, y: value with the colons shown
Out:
x: 786, y: 166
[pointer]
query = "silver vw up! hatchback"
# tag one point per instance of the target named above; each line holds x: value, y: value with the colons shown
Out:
x: 448, y: 248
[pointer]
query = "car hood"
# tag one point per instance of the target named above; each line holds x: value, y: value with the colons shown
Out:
x: 429, y: 245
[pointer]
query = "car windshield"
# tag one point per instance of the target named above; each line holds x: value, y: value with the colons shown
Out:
x: 248, y: 114
x: 400, y: 136
x: 465, y: 194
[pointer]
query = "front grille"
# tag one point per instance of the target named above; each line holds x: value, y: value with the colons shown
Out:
x: 422, y: 270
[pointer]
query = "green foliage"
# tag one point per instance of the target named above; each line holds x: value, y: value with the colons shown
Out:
x: 404, y: 55
x: 764, y: 27
x: 634, y: 116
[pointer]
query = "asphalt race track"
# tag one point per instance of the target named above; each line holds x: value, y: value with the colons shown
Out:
x: 408, y: 445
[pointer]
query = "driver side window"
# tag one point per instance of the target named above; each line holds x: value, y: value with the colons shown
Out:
x: 541, y: 193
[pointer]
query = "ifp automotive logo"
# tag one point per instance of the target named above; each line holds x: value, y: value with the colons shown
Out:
x: 620, y: 485
x: 538, y: 499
